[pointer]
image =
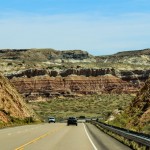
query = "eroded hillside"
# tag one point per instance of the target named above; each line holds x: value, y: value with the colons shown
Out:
x: 12, y: 106
x: 137, y: 115
x: 131, y: 69
x: 128, y: 59
x: 14, y: 60
x: 70, y: 86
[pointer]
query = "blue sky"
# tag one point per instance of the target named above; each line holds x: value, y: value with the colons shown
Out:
x: 100, y: 27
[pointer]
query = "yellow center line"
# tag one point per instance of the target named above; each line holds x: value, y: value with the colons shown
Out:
x: 38, y: 138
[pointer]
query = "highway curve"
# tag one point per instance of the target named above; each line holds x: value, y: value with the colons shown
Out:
x: 57, y: 136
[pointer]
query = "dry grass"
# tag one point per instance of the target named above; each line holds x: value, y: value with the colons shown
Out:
x: 90, y: 106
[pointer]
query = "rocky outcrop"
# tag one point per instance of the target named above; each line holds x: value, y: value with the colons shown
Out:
x: 139, y: 110
x: 29, y: 73
x: 41, y: 82
x: 87, y: 72
x: 63, y: 73
x: 137, y: 115
x: 71, y: 85
x: 135, y: 77
x: 127, y: 75
x: 11, y: 103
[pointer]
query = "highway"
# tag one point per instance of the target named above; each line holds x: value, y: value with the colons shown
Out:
x: 57, y: 136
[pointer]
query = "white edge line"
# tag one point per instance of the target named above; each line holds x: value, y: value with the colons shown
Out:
x: 95, y: 148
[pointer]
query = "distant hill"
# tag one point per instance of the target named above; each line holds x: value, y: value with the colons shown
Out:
x: 133, y: 59
x: 13, y: 60
x: 12, y: 107
x: 130, y: 66
x: 43, y: 55
x: 134, y: 52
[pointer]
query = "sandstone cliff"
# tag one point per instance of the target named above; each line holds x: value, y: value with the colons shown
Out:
x: 134, y: 76
x: 11, y: 103
x: 46, y: 82
x: 68, y: 86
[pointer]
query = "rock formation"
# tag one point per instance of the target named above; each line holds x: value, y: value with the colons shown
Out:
x: 134, y: 76
x: 53, y: 86
x: 11, y: 103
x: 57, y: 69
x: 48, y: 82
x: 139, y: 110
x: 137, y: 115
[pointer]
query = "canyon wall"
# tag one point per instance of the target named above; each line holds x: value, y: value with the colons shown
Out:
x: 69, y: 86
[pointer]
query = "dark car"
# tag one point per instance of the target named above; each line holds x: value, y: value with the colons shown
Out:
x: 72, y: 120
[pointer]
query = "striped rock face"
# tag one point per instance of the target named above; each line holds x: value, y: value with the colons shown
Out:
x: 47, y: 86
x: 11, y: 103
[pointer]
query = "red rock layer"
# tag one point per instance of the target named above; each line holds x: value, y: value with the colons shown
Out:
x: 49, y: 86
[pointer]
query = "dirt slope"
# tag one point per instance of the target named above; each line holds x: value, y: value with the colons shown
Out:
x: 11, y: 103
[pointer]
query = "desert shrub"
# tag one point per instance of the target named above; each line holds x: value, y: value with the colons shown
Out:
x: 28, y: 120
x: 100, y: 106
x: 10, y: 64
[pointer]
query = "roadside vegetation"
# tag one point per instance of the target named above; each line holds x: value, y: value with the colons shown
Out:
x: 18, y: 122
x: 91, y: 106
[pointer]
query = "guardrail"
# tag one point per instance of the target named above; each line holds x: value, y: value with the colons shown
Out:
x: 143, y: 139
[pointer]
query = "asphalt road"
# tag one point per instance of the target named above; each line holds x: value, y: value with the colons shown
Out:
x: 57, y: 136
